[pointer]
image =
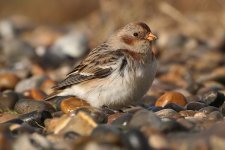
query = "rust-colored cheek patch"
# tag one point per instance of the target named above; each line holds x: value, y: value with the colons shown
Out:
x: 128, y: 40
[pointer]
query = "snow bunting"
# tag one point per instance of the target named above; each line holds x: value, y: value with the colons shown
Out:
x: 116, y: 73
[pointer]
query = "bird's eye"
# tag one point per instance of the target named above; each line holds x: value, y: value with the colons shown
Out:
x: 135, y: 34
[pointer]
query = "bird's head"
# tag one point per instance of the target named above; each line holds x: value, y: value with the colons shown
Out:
x: 135, y: 37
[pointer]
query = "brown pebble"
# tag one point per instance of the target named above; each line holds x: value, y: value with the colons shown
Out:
x: 187, y: 113
x: 37, y: 70
x: 72, y: 103
x: 7, y: 116
x: 8, y: 81
x: 47, y: 85
x: 113, y: 117
x: 171, y: 97
x: 35, y: 94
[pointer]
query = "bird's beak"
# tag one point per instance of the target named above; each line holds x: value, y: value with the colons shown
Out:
x: 151, y: 37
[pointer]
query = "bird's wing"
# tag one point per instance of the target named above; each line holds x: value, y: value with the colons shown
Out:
x: 98, y: 64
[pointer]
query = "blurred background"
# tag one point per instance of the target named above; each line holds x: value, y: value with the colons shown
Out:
x: 51, y: 36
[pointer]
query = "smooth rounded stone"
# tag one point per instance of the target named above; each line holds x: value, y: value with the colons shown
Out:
x: 80, y: 123
x: 35, y: 118
x: 213, y: 98
x: 168, y: 113
x: 135, y: 140
x: 16, y: 50
x: 109, y: 142
x: 8, y: 80
x: 174, y: 107
x: 73, y: 44
x: 188, y: 124
x: 200, y: 115
x: 171, y: 97
x: 145, y: 117
x: 158, y: 141
x: 35, y: 94
x: 195, y: 106
x: 7, y: 29
x: 215, y: 116
x: 172, y: 126
x: 187, y: 113
x: 122, y: 120
x: 30, y: 83
x: 103, y: 130
x: 71, y: 135
x: 28, y: 105
x: 72, y: 103
x: 8, y: 100
x: 33, y: 141
x: 113, y: 117
x: 208, y: 109
x: 96, y: 114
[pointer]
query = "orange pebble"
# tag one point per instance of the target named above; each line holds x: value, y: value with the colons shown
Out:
x: 171, y: 97
x: 71, y: 104
x: 8, y: 80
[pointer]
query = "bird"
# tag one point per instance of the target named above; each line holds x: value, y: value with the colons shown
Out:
x: 117, y: 73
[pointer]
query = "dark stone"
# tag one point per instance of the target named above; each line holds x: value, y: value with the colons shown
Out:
x: 8, y: 100
x: 154, y: 108
x: 102, y: 130
x: 195, y: 106
x: 35, y: 118
x: 172, y: 126
x: 28, y: 105
x: 123, y: 119
x: 174, y: 107
x: 145, y: 117
x: 71, y: 135
x: 96, y: 114
x: 213, y: 98
x: 135, y: 140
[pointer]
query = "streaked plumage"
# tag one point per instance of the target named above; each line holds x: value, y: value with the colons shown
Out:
x: 117, y: 72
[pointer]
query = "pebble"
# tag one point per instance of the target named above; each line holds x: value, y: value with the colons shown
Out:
x: 171, y: 97
x: 135, y: 140
x: 8, y: 100
x: 145, y: 117
x: 187, y: 113
x: 209, y: 109
x: 195, y: 106
x: 35, y: 94
x: 213, y: 98
x: 168, y: 113
x: 29, y: 105
x: 122, y: 120
x: 70, y: 104
x: 174, y: 107
x: 30, y: 83
x: 73, y: 44
x: 95, y: 113
x: 215, y: 116
x: 113, y: 117
x: 8, y: 81
x: 172, y: 126
x: 81, y: 124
